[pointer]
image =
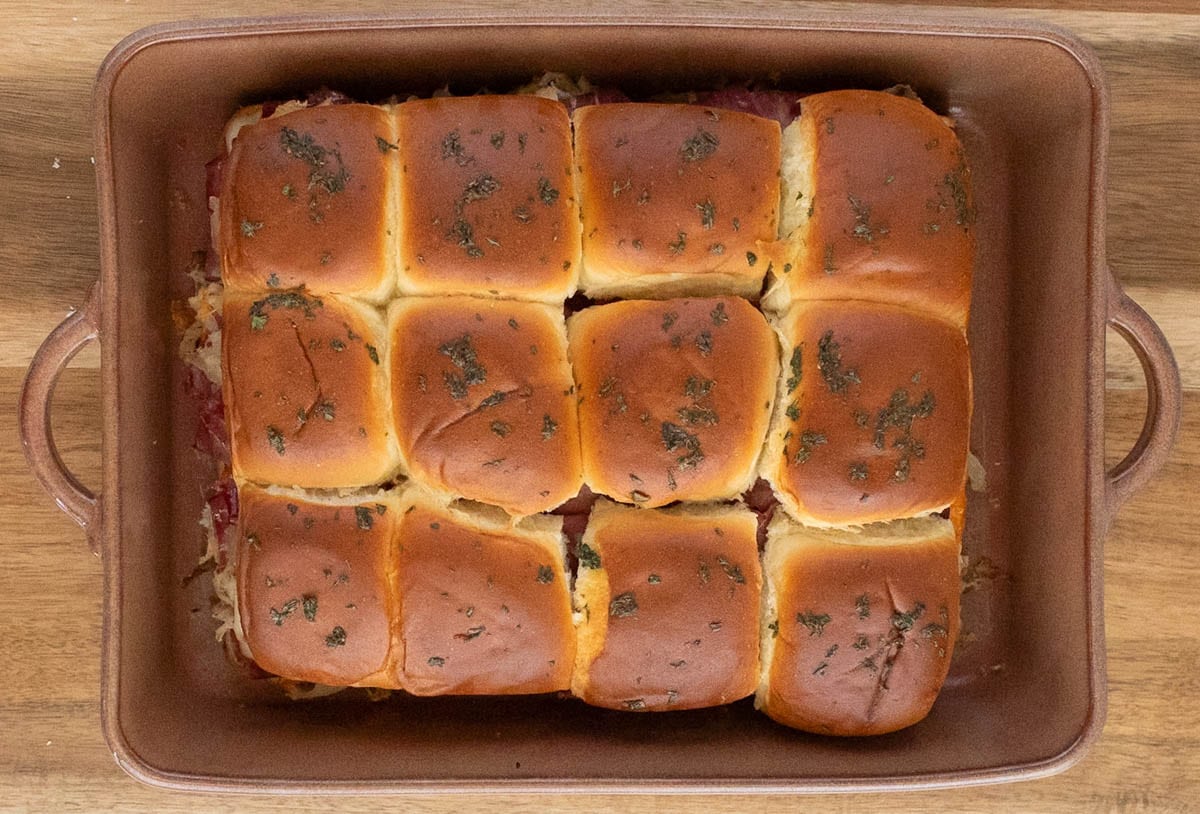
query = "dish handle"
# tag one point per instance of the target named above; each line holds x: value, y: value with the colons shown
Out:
x: 72, y: 334
x: 1164, y: 402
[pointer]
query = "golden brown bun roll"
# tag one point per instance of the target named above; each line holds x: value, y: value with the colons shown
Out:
x: 873, y: 414
x: 314, y: 580
x: 485, y: 606
x: 487, y: 200
x: 307, y: 199
x: 860, y: 625
x: 667, y: 604
x: 484, y: 401
x: 676, y: 397
x: 877, y: 205
x: 306, y: 398
x: 677, y: 200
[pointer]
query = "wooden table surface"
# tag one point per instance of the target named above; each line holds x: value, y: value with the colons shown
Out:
x: 52, y: 755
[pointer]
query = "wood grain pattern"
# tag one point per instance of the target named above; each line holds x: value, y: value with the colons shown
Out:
x: 52, y: 756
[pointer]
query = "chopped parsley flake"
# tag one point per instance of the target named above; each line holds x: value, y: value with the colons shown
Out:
x: 677, y: 438
x: 829, y: 361
x: 588, y: 558
x: 700, y: 146
x: 363, y: 515
x: 623, y: 605
x: 815, y: 622
x: 275, y: 439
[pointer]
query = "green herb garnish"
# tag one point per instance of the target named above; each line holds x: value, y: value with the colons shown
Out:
x: 462, y: 355
x: 904, y: 621
x: 587, y: 556
x: 697, y: 388
x: 291, y: 300
x: 699, y: 146
x: 452, y: 147
x: 363, y: 515
x: 731, y: 570
x: 479, y: 189
x: 695, y: 415
x: 815, y: 622
x: 797, y: 367
x: 809, y: 441
x: 676, y: 438
x: 289, y: 607
x: 829, y: 361
x: 547, y: 194
x: 864, y: 230
x: 623, y: 605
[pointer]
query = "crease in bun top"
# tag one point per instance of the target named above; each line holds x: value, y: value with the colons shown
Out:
x: 485, y: 604
x: 483, y: 400
x: 487, y: 198
x: 667, y: 607
x: 306, y: 396
x: 306, y: 198
x: 859, y: 626
x: 877, y: 204
x: 677, y: 200
x: 873, y: 414
x: 675, y: 397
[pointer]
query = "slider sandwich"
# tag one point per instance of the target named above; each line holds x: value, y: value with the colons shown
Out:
x: 674, y: 397
x: 306, y: 197
x: 859, y: 625
x: 677, y: 200
x: 487, y: 200
x: 877, y: 205
x: 484, y: 405
x: 484, y: 606
x: 315, y: 598
x: 667, y: 605
x: 306, y: 396
x: 873, y: 414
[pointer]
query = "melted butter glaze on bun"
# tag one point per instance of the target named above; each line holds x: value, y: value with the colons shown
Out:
x: 677, y: 200
x: 307, y: 200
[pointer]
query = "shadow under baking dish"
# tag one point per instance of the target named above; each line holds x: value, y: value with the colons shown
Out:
x: 1026, y: 690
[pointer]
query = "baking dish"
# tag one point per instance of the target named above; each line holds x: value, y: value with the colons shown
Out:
x: 1026, y: 693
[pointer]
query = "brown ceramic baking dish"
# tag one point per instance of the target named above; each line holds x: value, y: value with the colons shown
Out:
x: 1026, y: 694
